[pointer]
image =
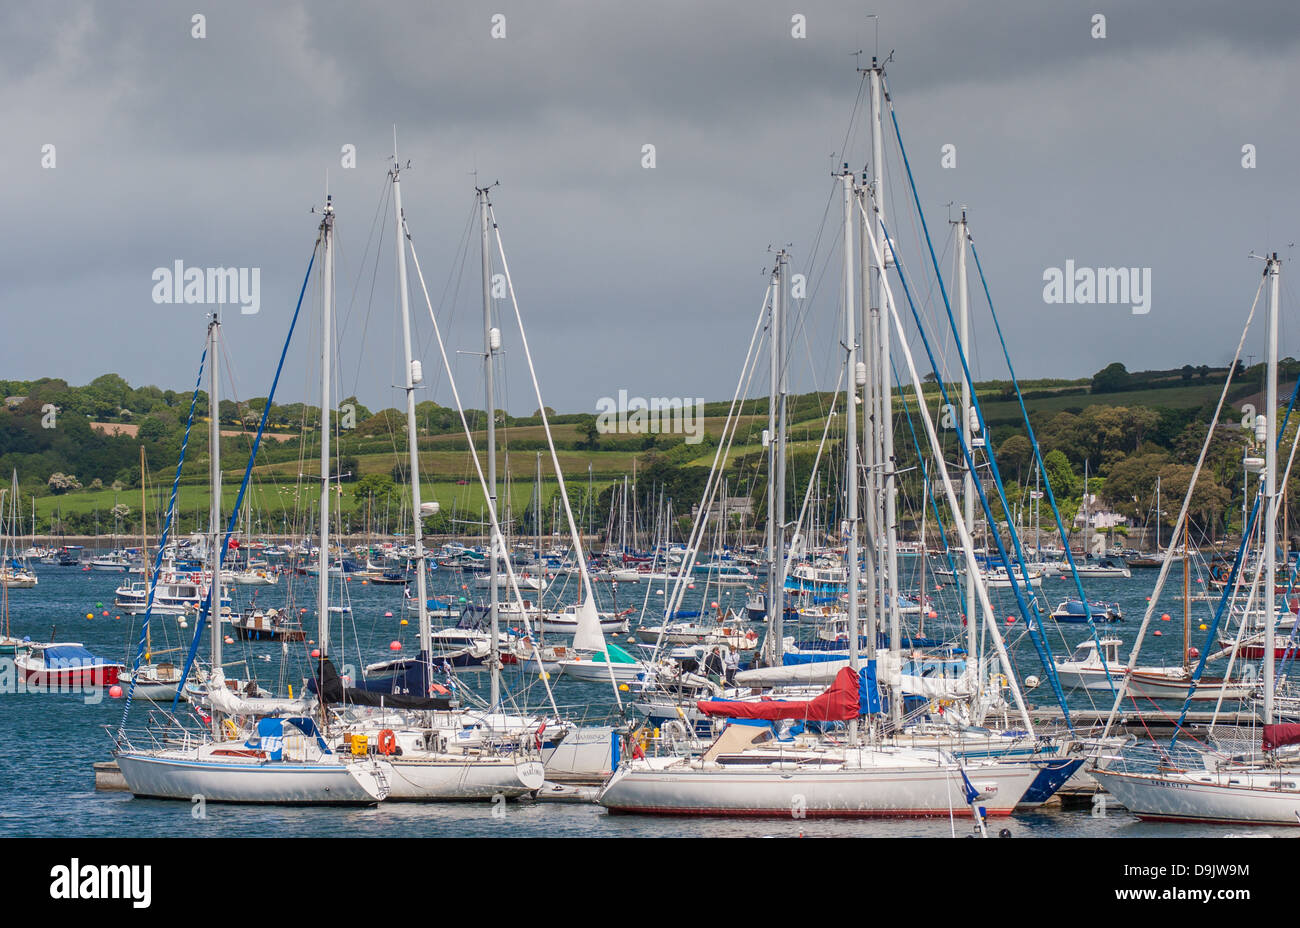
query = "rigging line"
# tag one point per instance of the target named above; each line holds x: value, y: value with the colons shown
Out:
x: 967, y: 543
x: 1183, y: 513
x: 812, y: 477
x: 1029, y: 610
x: 698, y: 527
x: 1239, y: 562
x: 495, y: 529
x: 459, y: 264
x: 162, y: 547
x: 1038, y: 458
x: 943, y: 530
x: 853, y: 115
x: 1250, y: 602
x: 385, y: 195
x: 800, y: 321
x: 234, y: 514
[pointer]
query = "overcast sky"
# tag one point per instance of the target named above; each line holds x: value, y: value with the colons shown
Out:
x: 1117, y: 151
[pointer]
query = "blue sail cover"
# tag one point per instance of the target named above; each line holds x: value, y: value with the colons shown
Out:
x: 869, y: 690
x: 269, y: 736
x: 405, y: 677
x: 71, y: 655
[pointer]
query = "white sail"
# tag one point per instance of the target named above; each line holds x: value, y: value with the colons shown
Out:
x: 589, y: 637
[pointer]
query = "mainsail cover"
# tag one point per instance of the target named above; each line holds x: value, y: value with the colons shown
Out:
x: 840, y: 703
x: 332, y: 690
x: 1277, y: 736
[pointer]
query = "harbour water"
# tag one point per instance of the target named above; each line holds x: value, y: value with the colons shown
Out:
x: 51, y: 740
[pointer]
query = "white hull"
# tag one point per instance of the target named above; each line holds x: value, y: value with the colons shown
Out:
x: 446, y: 778
x: 1003, y: 582
x: 599, y: 671
x: 584, y: 754
x: 560, y: 624
x: 182, y: 775
x: 533, y: 584
x: 1228, y: 797
x: 1102, y: 573
x: 150, y: 691
x: 878, y: 789
x: 1159, y: 686
x: 257, y: 578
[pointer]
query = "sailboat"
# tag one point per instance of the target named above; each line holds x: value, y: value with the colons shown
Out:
x: 14, y: 572
x: 776, y: 770
x: 416, y: 728
x: 9, y: 644
x: 1249, y: 789
x: 280, y: 760
x: 156, y: 682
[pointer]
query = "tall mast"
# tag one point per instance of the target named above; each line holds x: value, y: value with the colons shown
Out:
x: 491, y: 341
x: 851, y: 431
x: 1270, y: 487
x: 869, y: 319
x: 326, y: 327
x: 968, y: 477
x: 214, y: 504
x: 414, y: 375
x: 776, y: 464
x: 885, y: 398
x: 925, y: 494
x: 144, y: 547
x: 1187, y: 598
x: 1038, y: 507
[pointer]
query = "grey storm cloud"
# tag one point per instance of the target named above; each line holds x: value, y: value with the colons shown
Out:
x: 1117, y: 151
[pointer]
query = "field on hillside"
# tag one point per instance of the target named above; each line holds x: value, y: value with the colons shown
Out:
x: 273, y: 502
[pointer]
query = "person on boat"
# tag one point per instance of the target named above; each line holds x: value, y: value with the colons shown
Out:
x: 713, y: 668
x: 732, y: 664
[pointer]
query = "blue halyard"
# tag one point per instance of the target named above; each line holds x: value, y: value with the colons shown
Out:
x: 243, y: 487
x: 162, y: 545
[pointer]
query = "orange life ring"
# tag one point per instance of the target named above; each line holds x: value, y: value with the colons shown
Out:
x: 387, y: 742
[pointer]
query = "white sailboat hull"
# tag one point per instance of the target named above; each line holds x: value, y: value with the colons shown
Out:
x: 880, y: 790
x: 1188, y: 797
x: 599, y: 671
x: 181, y: 775
x: 584, y: 754
x: 561, y: 624
x: 446, y: 778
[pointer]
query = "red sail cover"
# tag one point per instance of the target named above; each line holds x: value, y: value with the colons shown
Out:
x: 838, y: 704
x: 1276, y: 736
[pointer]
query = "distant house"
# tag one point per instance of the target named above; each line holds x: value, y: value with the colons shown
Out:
x: 734, y: 505
x: 15, y: 400
x: 1099, y: 516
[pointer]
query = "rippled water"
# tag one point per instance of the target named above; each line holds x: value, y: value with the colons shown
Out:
x: 51, y: 740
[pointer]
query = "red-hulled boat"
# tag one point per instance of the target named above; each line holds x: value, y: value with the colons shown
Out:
x: 67, y: 666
